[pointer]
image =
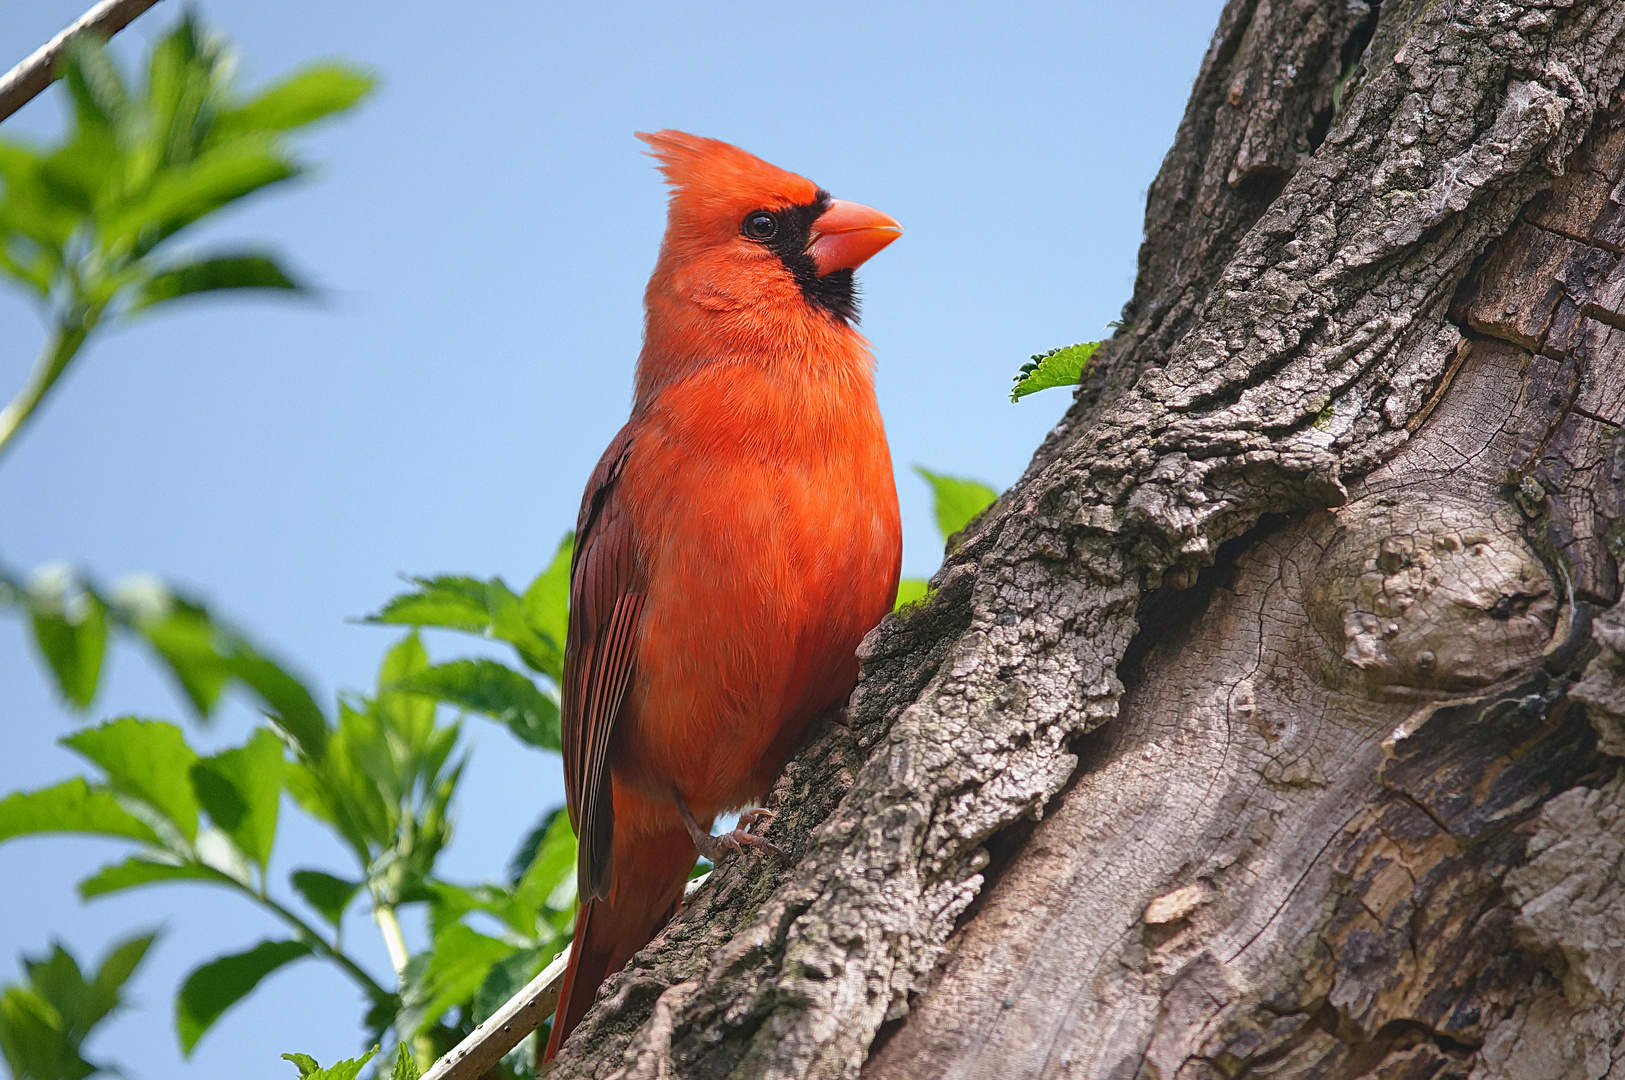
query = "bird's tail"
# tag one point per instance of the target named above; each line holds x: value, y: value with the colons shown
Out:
x: 645, y: 890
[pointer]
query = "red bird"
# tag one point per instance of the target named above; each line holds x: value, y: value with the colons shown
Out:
x: 735, y: 543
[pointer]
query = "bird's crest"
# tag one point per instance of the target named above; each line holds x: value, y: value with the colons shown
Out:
x: 709, y: 174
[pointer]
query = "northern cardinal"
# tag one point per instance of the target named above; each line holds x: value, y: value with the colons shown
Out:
x: 735, y: 543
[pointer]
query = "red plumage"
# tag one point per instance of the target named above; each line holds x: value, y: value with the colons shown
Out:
x: 735, y: 543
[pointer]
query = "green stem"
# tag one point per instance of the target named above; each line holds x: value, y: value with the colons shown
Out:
x: 394, y: 940
x: 69, y: 335
x: 320, y: 945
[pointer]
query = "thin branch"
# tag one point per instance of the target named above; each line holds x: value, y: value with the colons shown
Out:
x: 320, y: 945
x: 20, y: 85
x: 519, y: 1016
x: 59, y: 352
x: 522, y: 1014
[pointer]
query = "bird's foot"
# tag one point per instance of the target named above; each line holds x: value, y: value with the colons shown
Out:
x: 736, y: 840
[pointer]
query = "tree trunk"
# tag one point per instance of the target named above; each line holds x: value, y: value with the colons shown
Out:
x: 1329, y: 536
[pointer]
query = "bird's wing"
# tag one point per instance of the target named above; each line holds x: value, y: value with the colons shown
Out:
x: 606, y: 598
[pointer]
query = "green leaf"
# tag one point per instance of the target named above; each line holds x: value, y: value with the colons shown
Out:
x: 114, y: 971
x: 70, y: 807
x: 240, y: 790
x: 33, y: 205
x: 136, y: 871
x: 955, y: 500
x: 405, y: 1067
x: 218, y: 985
x: 1058, y: 367
x: 547, y: 601
x: 911, y: 590
x: 72, y: 636
x: 455, y: 603
x: 44, y: 1023
x: 329, y: 895
x: 182, y: 195
x: 302, y: 98
x: 205, y: 656
x: 212, y: 275
x: 486, y: 608
x: 303, y: 1062
x: 347, y: 1069
x: 410, y: 714
x: 184, y: 638
x: 494, y: 690
x: 78, y: 175
x: 549, y: 881
x: 99, y: 97
x: 147, y: 760
x: 459, y: 962
x: 287, y: 700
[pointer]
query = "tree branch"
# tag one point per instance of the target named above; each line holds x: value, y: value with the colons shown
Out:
x: 519, y: 1016
x: 22, y: 83
x: 523, y: 1014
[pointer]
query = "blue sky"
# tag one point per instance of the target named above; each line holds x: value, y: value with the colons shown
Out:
x: 482, y: 230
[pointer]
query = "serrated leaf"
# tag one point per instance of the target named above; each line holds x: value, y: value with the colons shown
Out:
x: 70, y: 807
x: 448, y: 601
x: 347, y: 1069
x: 495, y: 690
x: 1058, y: 367
x: 136, y: 871
x: 240, y: 791
x: 303, y: 1062
x: 301, y: 98
x: 147, y: 760
x: 218, y: 985
x: 911, y: 590
x: 329, y: 895
x: 214, y: 274
x: 487, y: 608
x: 406, y: 1068
x: 955, y: 500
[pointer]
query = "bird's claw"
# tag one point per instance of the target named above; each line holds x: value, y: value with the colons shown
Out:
x: 740, y: 839
x: 737, y: 841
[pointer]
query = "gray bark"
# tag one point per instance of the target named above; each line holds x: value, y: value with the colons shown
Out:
x: 1324, y: 537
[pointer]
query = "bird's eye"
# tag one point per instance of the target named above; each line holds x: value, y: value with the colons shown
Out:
x: 760, y: 225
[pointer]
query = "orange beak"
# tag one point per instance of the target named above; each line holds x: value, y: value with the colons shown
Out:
x: 847, y: 235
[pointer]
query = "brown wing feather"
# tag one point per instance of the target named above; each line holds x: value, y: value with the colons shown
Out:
x: 606, y: 598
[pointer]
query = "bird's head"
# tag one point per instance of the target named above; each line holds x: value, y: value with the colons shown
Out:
x: 754, y: 245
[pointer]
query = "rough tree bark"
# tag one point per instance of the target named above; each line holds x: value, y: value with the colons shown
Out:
x: 1330, y: 538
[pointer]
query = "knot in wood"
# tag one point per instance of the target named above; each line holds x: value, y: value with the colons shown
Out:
x: 1431, y: 593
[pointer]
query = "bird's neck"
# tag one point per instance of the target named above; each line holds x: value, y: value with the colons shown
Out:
x: 683, y: 338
